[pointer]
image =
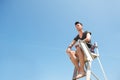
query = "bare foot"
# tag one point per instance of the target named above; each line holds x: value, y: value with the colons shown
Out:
x: 80, y: 75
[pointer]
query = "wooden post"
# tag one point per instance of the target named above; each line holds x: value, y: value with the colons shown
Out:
x: 87, y: 53
x: 88, y: 72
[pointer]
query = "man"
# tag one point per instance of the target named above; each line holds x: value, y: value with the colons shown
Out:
x: 82, y: 35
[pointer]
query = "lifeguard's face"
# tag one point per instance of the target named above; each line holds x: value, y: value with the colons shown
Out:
x: 78, y: 27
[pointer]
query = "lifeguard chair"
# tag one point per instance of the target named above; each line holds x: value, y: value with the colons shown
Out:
x: 89, y: 57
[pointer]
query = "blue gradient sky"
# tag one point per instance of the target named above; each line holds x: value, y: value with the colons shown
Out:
x: 34, y: 35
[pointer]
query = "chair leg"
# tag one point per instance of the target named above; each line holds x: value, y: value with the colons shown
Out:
x: 88, y: 70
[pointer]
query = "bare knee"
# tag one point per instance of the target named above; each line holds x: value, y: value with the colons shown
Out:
x: 70, y: 52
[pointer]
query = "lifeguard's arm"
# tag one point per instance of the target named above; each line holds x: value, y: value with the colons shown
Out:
x: 88, y: 37
x: 70, y: 46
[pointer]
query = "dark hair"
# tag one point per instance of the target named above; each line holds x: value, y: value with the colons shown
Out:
x: 78, y: 23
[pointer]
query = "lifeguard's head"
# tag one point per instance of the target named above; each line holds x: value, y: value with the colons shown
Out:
x: 78, y: 26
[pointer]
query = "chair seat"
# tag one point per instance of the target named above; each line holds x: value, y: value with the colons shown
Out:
x: 94, y: 55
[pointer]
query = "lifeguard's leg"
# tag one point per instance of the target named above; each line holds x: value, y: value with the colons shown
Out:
x: 80, y: 54
x: 74, y: 59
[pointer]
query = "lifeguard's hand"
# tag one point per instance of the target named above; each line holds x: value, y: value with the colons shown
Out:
x: 68, y: 50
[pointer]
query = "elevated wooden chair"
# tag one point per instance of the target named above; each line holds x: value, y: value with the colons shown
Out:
x: 90, y: 55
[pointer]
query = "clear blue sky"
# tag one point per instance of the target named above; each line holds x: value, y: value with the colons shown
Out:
x: 34, y: 35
